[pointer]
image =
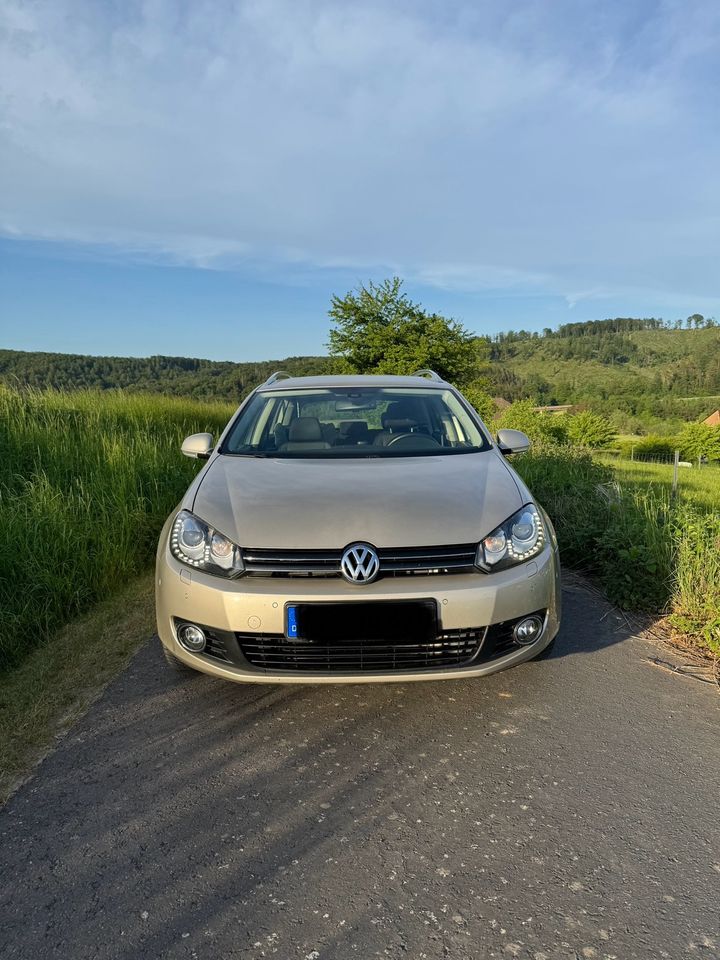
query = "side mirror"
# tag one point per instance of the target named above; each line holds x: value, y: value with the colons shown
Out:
x: 513, y: 441
x: 199, y: 446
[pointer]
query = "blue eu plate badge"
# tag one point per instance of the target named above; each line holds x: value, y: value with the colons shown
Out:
x: 291, y: 627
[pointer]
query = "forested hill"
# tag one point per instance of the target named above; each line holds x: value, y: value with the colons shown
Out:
x: 180, y: 376
x: 637, y: 368
x: 631, y: 367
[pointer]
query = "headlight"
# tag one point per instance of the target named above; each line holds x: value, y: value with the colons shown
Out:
x: 518, y: 539
x: 196, y: 543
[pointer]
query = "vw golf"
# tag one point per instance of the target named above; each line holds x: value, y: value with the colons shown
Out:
x: 364, y: 528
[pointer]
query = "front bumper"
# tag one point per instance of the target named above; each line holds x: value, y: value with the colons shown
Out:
x: 256, y: 605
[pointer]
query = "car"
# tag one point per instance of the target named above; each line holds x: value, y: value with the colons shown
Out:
x: 355, y: 529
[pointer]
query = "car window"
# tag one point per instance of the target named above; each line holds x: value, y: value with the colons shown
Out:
x: 354, y: 423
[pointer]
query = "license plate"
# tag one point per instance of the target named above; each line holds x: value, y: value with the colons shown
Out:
x: 401, y: 621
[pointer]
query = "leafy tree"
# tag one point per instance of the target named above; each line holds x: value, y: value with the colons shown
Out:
x: 546, y: 428
x: 476, y: 394
x: 699, y: 440
x: 378, y: 329
x: 586, y: 429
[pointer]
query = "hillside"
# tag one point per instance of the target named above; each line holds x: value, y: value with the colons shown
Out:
x: 175, y: 376
x: 681, y: 362
x: 643, y: 374
x: 651, y: 377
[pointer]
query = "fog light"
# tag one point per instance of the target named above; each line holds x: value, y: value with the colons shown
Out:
x: 527, y: 630
x: 191, y: 637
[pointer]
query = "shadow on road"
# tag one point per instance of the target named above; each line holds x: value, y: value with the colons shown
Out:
x: 198, y: 818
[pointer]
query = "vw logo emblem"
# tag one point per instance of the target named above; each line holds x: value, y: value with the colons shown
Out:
x: 360, y: 563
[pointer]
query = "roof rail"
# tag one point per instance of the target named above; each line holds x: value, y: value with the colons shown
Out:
x: 278, y: 375
x: 430, y: 374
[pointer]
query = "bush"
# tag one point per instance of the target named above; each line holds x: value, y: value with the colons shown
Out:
x: 586, y: 429
x: 651, y: 447
x: 543, y: 428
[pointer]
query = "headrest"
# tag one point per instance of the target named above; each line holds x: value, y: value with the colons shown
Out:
x: 305, y: 430
x: 356, y: 430
x: 402, y: 414
x: 403, y: 410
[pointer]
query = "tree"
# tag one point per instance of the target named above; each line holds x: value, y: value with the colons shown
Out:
x: 699, y: 440
x: 378, y: 329
x: 586, y: 429
x: 539, y: 426
x: 478, y: 397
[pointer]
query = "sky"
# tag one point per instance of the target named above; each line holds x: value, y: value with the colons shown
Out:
x: 199, y: 178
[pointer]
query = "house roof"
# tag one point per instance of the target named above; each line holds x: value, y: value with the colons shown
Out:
x: 713, y: 420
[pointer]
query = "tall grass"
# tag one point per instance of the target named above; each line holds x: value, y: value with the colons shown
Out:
x: 648, y: 551
x: 86, y: 480
x: 695, y: 601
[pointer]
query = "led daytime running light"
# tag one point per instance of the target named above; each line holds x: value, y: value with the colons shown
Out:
x: 502, y: 548
x: 228, y: 564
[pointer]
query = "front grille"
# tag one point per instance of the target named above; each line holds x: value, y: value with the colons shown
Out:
x: 215, y: 647
x: 394, y: 561
x: 454, y: 648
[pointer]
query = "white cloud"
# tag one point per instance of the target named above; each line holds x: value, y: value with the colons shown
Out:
x: 560, y: 146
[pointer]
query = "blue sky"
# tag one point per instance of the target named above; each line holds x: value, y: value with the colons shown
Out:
x: 199, y: 178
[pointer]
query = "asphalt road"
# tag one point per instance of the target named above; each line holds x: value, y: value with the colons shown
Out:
x: 566, y: 808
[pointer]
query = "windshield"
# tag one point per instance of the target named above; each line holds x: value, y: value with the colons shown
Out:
x: 354, y: 422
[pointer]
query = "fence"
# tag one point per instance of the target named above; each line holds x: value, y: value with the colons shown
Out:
x: 670, y: 471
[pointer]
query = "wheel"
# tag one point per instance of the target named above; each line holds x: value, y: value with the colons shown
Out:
x: 177, y: 666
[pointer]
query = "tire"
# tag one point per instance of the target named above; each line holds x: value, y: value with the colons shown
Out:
x: 177, y: 666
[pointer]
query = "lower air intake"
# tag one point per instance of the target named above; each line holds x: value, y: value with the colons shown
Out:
x: 455, y: 648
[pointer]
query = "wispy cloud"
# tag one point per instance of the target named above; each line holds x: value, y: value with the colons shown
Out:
x: 557, y: 146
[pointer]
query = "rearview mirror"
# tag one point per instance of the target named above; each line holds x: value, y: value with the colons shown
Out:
x: 346, y: 406
x: 199, y: 446
x: 513, y: 441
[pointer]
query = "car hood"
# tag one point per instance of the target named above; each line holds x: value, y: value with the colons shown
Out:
x: 327, y: 504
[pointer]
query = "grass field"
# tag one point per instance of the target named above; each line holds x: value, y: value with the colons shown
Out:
x: 698, y: 486
x: 86, y: 481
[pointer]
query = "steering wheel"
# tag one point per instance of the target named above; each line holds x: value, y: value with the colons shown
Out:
x: 418, y: 441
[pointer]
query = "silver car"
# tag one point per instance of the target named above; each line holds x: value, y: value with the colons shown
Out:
x: 352, y: 529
